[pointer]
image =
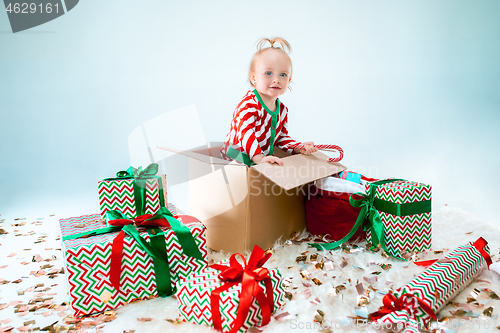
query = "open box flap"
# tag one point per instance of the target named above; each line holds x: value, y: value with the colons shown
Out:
x: 207, y: 155
x: 299, y: 170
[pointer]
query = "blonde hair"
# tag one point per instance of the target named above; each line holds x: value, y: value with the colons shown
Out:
x: 285, y: 49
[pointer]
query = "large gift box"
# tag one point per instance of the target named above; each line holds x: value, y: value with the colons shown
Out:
x: 404, y: 208
x: 232, y: 297
x: 109, y: 265
x: 133, y: 192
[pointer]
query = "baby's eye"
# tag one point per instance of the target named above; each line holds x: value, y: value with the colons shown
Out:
x: 283, y: 75
x: 268, y: 73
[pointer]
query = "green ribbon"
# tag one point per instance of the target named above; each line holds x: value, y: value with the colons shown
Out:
x: 140, y: 177
x: 158, y: 248
x: 239, y: 156
x: 274, y: 119
x: 370, y: 207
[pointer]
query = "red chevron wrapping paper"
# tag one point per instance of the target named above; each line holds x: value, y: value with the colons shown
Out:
x: 435, y: 287
x: 193, y: 294
x: 405, y: 233
x: 87, y: 262
x: 119, y: 195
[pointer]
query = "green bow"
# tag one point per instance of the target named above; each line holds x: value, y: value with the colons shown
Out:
x: 157, y: 248
x: 370, y: 207
x: 140, y: 177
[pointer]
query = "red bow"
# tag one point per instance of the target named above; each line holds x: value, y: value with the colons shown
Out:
x: 393, y: 303
x: 249, y: 275
x: 480, y: 245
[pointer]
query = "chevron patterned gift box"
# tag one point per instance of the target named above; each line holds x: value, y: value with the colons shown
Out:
x: 195, y: 294
x: 405, y: 210
x: 412, y: 306
x: 133, y: 192
x: 88, y: 262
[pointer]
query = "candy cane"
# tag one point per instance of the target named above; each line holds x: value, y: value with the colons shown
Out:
x: 325, y: 148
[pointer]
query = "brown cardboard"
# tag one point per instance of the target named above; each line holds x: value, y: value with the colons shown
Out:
x: 243, y: 206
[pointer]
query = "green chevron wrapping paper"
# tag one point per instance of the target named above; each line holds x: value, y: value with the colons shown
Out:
x: 193, y: 294
x: 411, y: 306
x: 403, y: 230
x: 88, y: 260
x: 118, y: 194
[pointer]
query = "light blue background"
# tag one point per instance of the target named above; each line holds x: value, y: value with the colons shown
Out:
x: 409, y: 89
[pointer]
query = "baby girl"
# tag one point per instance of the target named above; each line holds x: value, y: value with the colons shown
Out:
x: 260, y: 120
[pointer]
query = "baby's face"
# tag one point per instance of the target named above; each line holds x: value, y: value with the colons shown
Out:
x: 272, y: 74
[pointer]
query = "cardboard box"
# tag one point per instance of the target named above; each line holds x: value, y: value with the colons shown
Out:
x: 245, y: 206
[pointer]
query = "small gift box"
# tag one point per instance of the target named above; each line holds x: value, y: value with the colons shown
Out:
x: 110, y: 265
x: 133, y: 192
x: 412, y: 306
x: 404, y: 208
x: 230, y: 296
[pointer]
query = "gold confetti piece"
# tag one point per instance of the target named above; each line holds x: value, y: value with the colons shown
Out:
x: 305, y: 274
x: 319, y: 316
x: 130, y: 331
x: 468, y: 233
x: 288, y: 295
x: 458, y: 313
x: 340, y: 287
x: 376, y: 273
x: 175, y: 321
x: 384, y: 255
x: 320, y: 265
x: 343, y: 263
x: 488, y: 312
x: 493, y: 295
x: 313, y: 257
x: 26, y: 323
x: 12, y: 254
x: 317, y: 282
x: 106, y: 296
x: 144, y: 319
x: 17, y: 281
x: 301, y: 258
x: 386, y: 266
x: 363, y: 300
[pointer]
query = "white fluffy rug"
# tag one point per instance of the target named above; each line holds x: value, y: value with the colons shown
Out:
x: 451, y: 228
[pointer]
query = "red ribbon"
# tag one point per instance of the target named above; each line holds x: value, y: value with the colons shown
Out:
x: 249, y: 275
x: 480, y: 245
x: 393, y: 303
x: 117, y: 246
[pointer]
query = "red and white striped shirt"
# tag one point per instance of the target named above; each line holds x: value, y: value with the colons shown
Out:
x: 251, y: 128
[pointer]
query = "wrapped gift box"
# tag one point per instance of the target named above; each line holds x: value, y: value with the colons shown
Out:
x: 405, y: 210
x: 412, y: 306
x: 88, y: 262
x: 144, y: 194
x: 194, y: 296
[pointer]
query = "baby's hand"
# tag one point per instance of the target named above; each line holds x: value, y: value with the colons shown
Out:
x: 308, y: 148
x: 271, y: 160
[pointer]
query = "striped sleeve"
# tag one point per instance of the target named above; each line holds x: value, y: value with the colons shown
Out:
x: 246, y: 131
